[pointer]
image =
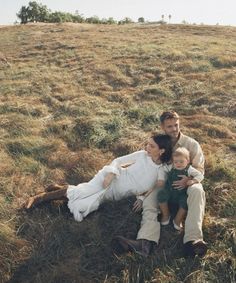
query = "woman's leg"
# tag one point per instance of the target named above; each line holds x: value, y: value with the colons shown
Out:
x: 86, y: 197
x: 46, y: 196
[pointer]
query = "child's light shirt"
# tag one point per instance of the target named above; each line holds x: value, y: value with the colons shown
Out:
x: 191, y: 172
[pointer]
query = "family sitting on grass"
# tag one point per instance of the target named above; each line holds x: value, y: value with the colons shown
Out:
x: 150, y: 176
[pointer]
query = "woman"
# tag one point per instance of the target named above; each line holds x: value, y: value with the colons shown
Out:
x: 141, y: 174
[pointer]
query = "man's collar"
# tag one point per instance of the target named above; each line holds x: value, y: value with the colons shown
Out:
x: 180, y: 139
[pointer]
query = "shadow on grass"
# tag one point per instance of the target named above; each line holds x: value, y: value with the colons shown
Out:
x: 64, y: 250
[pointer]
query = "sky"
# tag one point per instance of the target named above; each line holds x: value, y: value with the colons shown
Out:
x: 192, y: 11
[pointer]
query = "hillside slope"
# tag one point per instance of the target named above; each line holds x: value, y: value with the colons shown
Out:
x: 72, y: 97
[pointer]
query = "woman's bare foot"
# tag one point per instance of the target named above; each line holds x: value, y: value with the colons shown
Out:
x: 34, y: 200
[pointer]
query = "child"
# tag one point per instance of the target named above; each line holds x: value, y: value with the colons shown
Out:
x: 180, y: 166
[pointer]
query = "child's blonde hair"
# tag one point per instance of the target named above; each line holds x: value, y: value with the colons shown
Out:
x: 181, y: 151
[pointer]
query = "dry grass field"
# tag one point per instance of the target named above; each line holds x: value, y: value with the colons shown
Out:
x: 74, y: 96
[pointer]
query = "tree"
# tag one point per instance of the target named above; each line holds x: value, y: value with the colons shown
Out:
x: 111, y: 21
x: 56, y: 17
x: 23, y: 15
x: 126, y: 20
x: 93, y: 20
x: 60, y: 17
x: 77, y: 18
x: 33, y: 13
x: 141, y: 20
x: 108, y: 21
x: 44, y: 13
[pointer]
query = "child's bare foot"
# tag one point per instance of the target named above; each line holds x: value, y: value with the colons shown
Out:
x: 177, y: 225
x: 165, y: 220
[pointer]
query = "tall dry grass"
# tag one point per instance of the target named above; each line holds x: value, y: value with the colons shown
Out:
x: 74, y: 96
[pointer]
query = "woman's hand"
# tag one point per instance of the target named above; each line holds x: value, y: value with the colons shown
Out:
x: 107, y: 180
x: 137, y: 206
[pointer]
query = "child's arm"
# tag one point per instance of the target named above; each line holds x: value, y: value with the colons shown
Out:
x: 196, y: 175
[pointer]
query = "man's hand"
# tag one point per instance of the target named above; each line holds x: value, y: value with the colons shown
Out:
x: 138, y: 204
x: 107, y: 180
x: 181, y: 184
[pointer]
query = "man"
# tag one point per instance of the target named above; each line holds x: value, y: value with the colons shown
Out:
x: 149, y: 232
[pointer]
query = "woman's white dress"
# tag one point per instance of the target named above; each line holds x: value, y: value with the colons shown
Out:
x: 136, y: 179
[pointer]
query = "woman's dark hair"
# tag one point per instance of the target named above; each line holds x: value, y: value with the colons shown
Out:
x: 164, y: 142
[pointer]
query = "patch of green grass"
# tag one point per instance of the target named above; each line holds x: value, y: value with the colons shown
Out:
x: 223, y: 61
x: 192, y: 67
x: 28, y: 165
x: 31, y: 147
x: 218, y: 132
x: 94, y: 132
x: 16, y: 124
x: 154, y: 92
x: 232, y: 146
x: 175, y: 55
x: 147, y: 118
x: 203, y: 100
x: 218, y: 170
x: 118, y: 98
x: 58, y: 128
x: 229, y: 209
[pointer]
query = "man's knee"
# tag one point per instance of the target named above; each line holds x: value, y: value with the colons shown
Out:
x: 150, y: 202
x: 150, y: 211
x: 196, y: 196
x: 196, y: 190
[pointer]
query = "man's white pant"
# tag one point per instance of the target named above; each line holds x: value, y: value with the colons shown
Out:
x: 150, y: 227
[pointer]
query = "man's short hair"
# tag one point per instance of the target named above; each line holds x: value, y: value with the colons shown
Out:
x: 168, y: 115
x: 181, y: 151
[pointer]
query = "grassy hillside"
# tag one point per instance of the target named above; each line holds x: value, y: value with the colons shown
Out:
x: 74, y: 96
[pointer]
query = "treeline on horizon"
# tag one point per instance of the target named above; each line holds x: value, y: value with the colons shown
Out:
x: 36, y: 12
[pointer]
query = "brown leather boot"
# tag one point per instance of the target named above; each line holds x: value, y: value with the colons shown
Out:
x: 142, y: 247
x: 55, y: 187
x: 193, y: 248
x: 46, y: 196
